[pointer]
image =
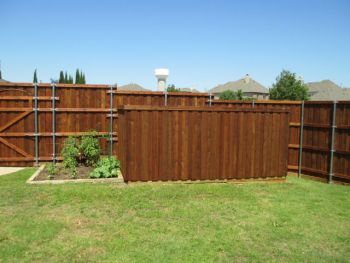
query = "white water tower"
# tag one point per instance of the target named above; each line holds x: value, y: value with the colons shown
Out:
x: 161, y: 75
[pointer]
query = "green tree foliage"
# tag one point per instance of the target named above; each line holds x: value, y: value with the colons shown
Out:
x: 67, y: 78
x: 172, y: 88
x: 77, y: 77
x: 232, y: 95
x: 289, y: 87
x: 35, y: 77
x: 61, y: 79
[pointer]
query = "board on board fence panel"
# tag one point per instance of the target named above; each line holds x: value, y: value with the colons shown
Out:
x: 189, y: 143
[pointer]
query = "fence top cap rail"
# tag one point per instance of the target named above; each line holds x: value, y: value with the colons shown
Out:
x: 160, y: 93
x: 195, y: 108
x: 257, y: 102
x: 49, y: 85
x: 320, y: 102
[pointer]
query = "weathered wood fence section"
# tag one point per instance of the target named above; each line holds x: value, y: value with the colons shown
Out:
x: 202, y: 143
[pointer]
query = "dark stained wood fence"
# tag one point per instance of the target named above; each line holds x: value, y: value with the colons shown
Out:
x: 79, y: 108
x: 294, y: 121
x: 202, y: 143
x: 84, y: 107
x: 317, y: 137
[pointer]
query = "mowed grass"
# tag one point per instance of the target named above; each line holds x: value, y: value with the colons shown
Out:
x: 297, y: 221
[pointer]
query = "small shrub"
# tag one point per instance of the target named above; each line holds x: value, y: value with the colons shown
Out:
x: 74, y: 172
x: 70, y: 152
x: 51, y: 170
x: 90, y: 149
x: 106, y: 167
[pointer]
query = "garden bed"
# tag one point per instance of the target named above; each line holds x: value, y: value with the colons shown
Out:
x: 41, y: 176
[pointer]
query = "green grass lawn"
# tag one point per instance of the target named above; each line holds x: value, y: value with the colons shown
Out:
x: 297, y: 221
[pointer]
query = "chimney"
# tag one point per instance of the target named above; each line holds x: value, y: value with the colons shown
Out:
x: 246, y: 78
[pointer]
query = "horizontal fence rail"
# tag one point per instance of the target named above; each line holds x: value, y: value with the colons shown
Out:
x: 202, y: 143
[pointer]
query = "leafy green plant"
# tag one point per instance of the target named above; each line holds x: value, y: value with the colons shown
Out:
x: 51, y: 170
x: 74, y: 172
x: 90, y: 149
x: 70, y: 152
x: 106, y: 167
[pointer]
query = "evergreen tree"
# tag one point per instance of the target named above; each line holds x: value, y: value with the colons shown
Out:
x: 65, y: 78
x: 61, y: 80
x: 84, y: 81
x: 77, y: 77
x: 35, y: 78
x: 81, y: 77
x: 70, y: 79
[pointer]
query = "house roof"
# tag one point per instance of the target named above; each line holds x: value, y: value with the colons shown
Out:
x: 132, y: 87
x: 327, y: 90
x: 189, y: 90
x: 246, y: 84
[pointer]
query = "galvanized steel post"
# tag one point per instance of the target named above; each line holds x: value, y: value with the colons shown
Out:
x: 53, y: 122
x: 253, y: 103
x: 111, y: 122
x: 165, y: 96
x: 331, y: 173
x: 301, y: 138
x: 209, y: 99
x: 36, y: 130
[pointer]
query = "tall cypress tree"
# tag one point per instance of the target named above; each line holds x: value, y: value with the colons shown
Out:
x: 65, y: 78
x: 77, y: 77
x: 84, y: 81
x: 70, y: 79
x: 61, y: 80
x: 35, y: 78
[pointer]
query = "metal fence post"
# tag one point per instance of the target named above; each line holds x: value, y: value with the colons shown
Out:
x: 165, y: 97
x: 253, y: 103
x: 301, y: 138
x: 209, y: 99
x: 111, y: 123
x: 53, y: 122
x: 36, y: 130
x: 331, y: 173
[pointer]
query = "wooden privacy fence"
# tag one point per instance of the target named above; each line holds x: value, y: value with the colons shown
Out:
x: 326, y: 140
x: 35, y: 119
x: 79, y: 108
x: 294, y: 107
x: 202, y: 143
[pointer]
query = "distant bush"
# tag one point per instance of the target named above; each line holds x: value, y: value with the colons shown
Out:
x: 232, y: 95
x: 172, y: 88
x: 106, y: 167
x: 289, y: 87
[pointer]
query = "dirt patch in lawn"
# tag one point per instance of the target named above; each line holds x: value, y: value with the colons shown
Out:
x: 83, y: 172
